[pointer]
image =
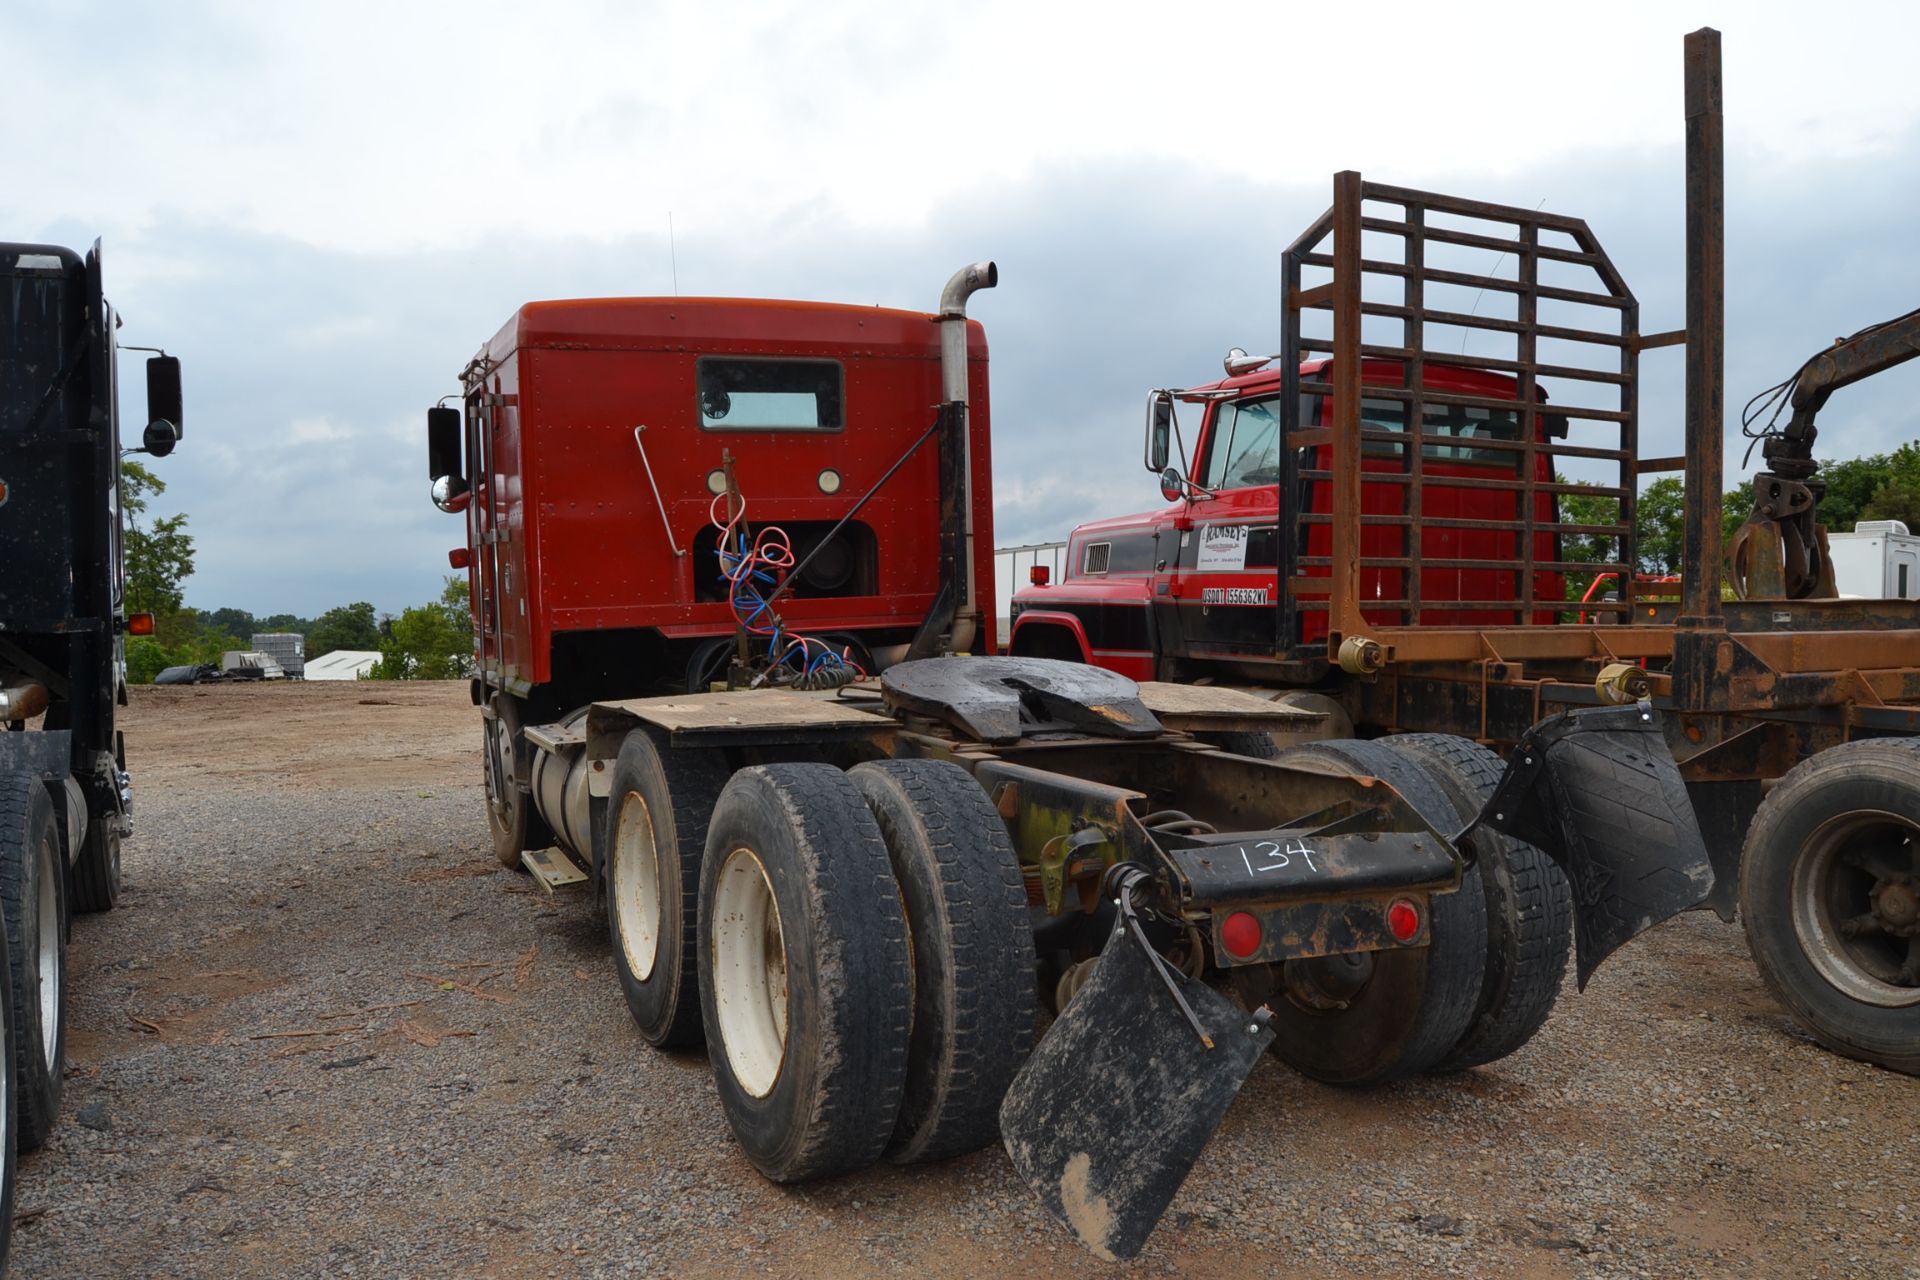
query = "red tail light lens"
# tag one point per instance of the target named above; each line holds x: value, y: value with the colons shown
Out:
x: 1241, y: 935
x: 1403, y: 921
x: 139, y: 624
x: 1040, y: 575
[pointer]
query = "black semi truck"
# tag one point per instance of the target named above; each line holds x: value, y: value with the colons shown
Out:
x: 65, y: 797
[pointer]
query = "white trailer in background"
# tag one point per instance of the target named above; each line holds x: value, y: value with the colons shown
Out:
x: 343, y: 664
x: 1879, y: 560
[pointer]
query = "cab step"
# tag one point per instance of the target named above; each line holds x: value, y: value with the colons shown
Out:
x: 552, y: 868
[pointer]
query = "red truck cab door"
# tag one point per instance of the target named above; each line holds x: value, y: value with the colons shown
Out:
x: 1223, y: 564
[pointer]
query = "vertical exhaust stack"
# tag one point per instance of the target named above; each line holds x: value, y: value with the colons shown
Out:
x: 964, y: 284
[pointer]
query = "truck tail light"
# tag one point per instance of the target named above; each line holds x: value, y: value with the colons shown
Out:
x: 1403, y: 921
x: 1040, y: 575
x: 139, y: 624
x: 460, y: 557
x: 1241, y: 934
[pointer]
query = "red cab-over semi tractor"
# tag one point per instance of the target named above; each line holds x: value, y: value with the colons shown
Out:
x: 598, y: 427
x: 598, y: 435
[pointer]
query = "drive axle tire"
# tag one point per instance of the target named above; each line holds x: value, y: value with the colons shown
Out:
x: 9, y: 1099
x: 1830, y: 895
x: 805, y: 978
x: 1257, y: 746
x: 95, y: 875
x: 1384, y: 1015
x: 975, y: 998
x: 33, y: 899
x: 1529, y: 909
x: 656, y: 834
x: 515, y: 824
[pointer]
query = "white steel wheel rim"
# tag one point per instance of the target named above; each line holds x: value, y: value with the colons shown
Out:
x: 749, y: 973
x: 636, y: 885
x: 49, y: 948
x: 500, y: 767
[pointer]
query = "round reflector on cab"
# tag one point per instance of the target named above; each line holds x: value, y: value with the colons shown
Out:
x: 1241, y: 934
x: 829, y: 481
x: 1403, y: 921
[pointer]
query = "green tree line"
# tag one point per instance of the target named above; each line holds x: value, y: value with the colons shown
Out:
x: 1882, y: 486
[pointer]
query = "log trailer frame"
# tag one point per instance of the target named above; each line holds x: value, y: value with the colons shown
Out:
x: 1795, y: 721
x: 857, y: 893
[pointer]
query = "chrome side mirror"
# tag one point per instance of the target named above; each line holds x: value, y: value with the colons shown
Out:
x: 1173, y: 485
x: 1159, y: 429
x: 451, y: 494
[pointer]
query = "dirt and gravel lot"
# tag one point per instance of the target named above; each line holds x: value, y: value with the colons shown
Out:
x: 326, y: 1035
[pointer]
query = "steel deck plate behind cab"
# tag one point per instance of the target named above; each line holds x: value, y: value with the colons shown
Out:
x: 1201, y: 708
x: 759, y: 716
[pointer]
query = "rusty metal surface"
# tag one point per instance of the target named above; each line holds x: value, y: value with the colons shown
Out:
x: 1264, y: 866
x: 1600, y: 363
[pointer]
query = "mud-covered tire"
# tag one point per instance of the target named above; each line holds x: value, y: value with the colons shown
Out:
x: 9, y: 1101
x: 33, y: 900
x: 511, y: 818
x: 1257, y: 746
x: 95, y: 874
x: 975, y: 998
x: 1801, y: 878
x: 1529, y: 909
x: 655, y: 835
x: 1416, y: 1002
x: 809, y: 1046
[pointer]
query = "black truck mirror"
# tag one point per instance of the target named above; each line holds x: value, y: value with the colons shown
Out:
x: 450, y: 489
x: 165, y: 420
x: 1159, y: 429
x: 443, y: 442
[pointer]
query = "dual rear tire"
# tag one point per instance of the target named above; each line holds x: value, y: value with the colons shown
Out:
x: 1489, y: 976
x: 853, y: 946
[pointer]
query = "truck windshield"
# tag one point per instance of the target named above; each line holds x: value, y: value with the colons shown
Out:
x: 1246, y: 445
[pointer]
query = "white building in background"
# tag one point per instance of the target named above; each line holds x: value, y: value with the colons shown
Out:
x: 342, y: 664
x: 1879, y: 560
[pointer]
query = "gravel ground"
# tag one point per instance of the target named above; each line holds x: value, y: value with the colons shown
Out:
x: 313, y: 859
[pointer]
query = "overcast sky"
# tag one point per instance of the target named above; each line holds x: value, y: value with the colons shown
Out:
x: 324, y: 210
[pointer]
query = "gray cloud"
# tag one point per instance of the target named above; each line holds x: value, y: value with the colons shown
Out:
x: 308, y: 369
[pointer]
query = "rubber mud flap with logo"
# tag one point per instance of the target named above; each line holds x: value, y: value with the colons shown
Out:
x: 1597, y: 789
x: 1108, y: 1116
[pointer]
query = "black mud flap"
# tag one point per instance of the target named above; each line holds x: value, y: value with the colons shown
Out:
x: 1114, y: 1107
x: 1598, y: 790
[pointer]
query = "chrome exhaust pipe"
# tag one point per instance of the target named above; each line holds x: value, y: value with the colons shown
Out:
x: 964, y: 283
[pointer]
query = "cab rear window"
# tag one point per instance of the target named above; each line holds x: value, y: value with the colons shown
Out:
x: 1448, y: 432
x: 747, y: 394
